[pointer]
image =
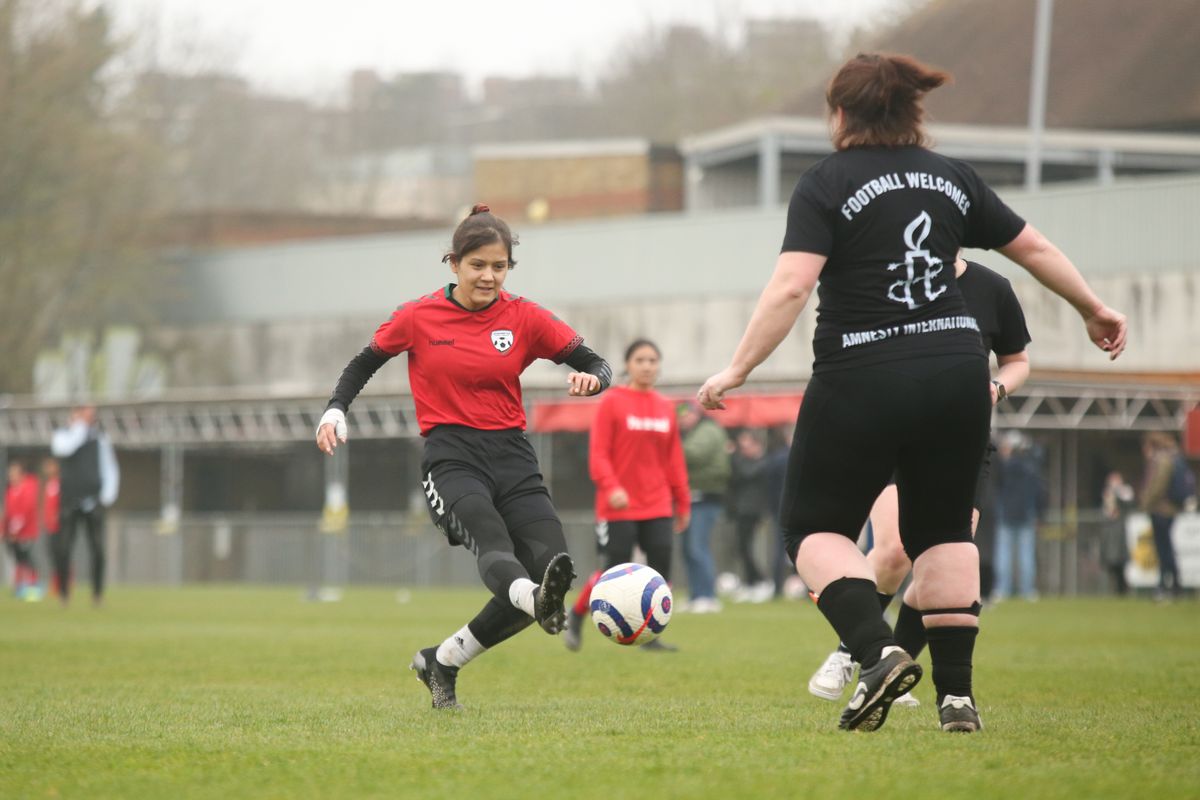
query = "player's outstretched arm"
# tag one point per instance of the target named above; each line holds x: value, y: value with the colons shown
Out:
x: 1106, y: 327
x: 779, y: 305
x: 332, y: 427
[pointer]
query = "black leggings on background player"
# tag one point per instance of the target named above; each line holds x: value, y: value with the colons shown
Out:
x: 900, y: 377
x: 467, y: 345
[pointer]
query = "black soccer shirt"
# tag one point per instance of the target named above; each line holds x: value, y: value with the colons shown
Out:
x: 991, y: 300
x: 890, y: 222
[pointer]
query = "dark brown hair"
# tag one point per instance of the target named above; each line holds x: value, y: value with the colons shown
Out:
x: 880, y: 97
x: 638, y: 344
x: 481, y: 227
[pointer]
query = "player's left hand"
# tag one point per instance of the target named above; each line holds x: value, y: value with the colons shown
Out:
x: 582, y: 384
x: 682, y: 521
x: 712, y: 393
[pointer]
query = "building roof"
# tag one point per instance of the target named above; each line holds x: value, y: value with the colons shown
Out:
x: 971, y: 142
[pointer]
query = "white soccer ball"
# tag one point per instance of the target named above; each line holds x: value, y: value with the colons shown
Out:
x: 631, y: 604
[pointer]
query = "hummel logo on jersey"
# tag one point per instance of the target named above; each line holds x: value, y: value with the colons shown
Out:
x: 902, y: 290
x: 502, y: 340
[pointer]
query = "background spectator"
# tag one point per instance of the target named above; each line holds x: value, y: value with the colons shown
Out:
x: 1116, y: 501
x: 1019, y: 498
x: 89, y: 482
x: 746, y: 504
x: 707, y: 459
x: 1162, y: 461
x: 21, y: 528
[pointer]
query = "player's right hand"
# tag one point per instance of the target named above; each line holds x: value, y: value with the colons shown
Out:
x: 712, y: 393
x: 1106, y: 328
x: 331, y: 430
x: 618, y: 498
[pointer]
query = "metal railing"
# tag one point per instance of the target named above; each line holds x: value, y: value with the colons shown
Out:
x: 405, y: 550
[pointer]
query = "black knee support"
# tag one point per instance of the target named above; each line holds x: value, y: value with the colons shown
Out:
x: 973, y: 610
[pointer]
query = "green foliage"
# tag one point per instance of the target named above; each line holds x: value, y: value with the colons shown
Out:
x: 254, y: 693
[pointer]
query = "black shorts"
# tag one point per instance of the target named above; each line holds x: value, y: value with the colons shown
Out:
x: 981, y: 485
x: 499, y: 465
x: 924, y: 419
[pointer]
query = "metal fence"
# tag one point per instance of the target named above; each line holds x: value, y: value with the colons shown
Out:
x: 406, y: 551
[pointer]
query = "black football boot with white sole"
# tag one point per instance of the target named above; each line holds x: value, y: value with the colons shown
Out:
x: 437, y: 677
x: 548, y: 600
x: 878, y: 687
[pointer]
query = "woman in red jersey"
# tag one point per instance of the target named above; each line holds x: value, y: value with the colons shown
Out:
x: 635, y: 458
x: 467, y: 345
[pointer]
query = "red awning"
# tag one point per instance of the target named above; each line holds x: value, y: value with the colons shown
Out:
x: 1191, y: 433
x: 743, y: 411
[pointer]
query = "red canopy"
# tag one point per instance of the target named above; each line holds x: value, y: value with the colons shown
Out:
x: 743, y: 411
x: 1191, y: 433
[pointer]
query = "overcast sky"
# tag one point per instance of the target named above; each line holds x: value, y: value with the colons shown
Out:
x: 308, y: 46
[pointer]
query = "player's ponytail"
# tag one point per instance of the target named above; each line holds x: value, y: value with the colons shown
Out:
x: 480, y: 227
x: 880, y: 97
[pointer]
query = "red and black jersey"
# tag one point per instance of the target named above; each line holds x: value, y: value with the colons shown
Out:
x: 464, y: 366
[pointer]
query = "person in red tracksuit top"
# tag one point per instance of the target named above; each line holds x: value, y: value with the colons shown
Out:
x: 21, y: 526
x: 467, y: 345
x: 635, y: 458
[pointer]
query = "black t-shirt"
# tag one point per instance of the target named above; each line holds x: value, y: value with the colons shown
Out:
x: 891, y: 222
x: 991, y: 301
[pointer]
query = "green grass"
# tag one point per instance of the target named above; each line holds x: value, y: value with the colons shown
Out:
x: 253, y: 693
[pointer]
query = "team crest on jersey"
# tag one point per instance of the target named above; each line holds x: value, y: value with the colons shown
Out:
x: 502, y: 340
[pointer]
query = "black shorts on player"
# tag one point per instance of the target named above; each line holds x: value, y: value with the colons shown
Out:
x: 485, y: 492
x: 858, y: 427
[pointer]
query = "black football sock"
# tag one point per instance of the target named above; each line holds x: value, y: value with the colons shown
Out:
x: 885, y: 600
x: 852, y: 607
x: 951, y: 650
x: 910, y: 630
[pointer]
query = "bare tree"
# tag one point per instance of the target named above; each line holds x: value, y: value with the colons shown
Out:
x: 77, y: 182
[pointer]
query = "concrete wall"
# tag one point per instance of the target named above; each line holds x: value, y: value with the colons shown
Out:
x: 288, y: 318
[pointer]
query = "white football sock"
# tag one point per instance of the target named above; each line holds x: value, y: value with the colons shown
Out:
x: 460, y: 648
x: 520, y: 594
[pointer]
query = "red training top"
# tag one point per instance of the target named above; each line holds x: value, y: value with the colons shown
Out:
x: 50, y: 518
x: 464, y: 367
x: 20, y: 509
x: 635, y: 446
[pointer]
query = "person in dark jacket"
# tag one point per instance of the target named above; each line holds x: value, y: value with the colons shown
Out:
x: 88, y: 484
x: 1161, y: 453
x: 746, y: 505
x: 1019, y: 492
x: 707, y: 458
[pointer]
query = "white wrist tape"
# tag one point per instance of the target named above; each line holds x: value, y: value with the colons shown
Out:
x: 335, y: 417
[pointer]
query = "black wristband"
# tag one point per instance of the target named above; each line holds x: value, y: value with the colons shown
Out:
x: 1001, y: 392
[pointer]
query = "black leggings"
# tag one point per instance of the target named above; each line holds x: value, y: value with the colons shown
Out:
x: 22, y: 552
x: 485, y: 493
x: 745, y: 527
x: 534, y: 545
x: 654, y: 536
x: 926, y: 419
x: 64, y: 544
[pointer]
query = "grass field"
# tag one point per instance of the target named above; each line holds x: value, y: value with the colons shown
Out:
x: 253, y: 693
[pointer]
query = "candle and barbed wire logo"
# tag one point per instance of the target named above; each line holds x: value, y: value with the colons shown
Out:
x: 902, y: 290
